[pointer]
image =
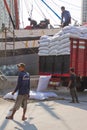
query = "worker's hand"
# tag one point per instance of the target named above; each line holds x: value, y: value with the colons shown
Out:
x: 13, y: 93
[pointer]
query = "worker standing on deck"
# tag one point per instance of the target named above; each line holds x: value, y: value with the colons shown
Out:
x: 33, y: 23
x: 72, y: 86
x: 65, y: 17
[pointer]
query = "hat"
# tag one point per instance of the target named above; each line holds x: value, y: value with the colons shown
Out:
x: 21, y: 65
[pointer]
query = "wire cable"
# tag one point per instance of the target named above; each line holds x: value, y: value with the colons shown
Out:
x: 27, y: 7
x: 69, y: 3
x: 40, y: 9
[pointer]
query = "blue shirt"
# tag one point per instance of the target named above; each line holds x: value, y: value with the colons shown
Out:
x: 66, y: 17
x: 23, y: 83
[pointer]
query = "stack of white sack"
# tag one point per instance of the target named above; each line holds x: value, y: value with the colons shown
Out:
x: 43, y: 45
x: 39, y: 94
x: 59, y: 44
x: 64, y: 45
x: 33, y: 95
x: 54, y: 45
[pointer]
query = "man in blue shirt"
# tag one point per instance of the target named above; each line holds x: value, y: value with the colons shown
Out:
x: 65, y: 17
x: 23, y: 88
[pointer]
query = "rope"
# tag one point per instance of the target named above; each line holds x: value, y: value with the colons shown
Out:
x: 30, y: 15
x: 27, y: 7
x: 68, y: 3
x: 40, y: 9
x: 73, y: 5
x: 4, y: 9
x: 21, y: 13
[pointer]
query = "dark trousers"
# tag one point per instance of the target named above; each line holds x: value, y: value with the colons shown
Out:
x: 74, y: 94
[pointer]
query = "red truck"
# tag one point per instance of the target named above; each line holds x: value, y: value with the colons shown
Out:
x: 58, y: 66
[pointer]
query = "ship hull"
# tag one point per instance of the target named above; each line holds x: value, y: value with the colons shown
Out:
x: 27, y: 56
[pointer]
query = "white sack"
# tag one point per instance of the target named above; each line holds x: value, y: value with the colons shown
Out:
x: 33, y: 95
x: 43, y: 54
x: 55, y: 38
x: 54, y: 43
x: 67, y: 28
x: 53, y: 52
x: 43, y: 83
x: 43, y: 44
x: 44, y: 37
x: 43, y: 51
x: 65, y: 36
x: 59, y: 33
x: 53, y: 48
x: 65, y: 41
x: 43, y: 48
x: 37, y: 95
x: 10, y: 96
